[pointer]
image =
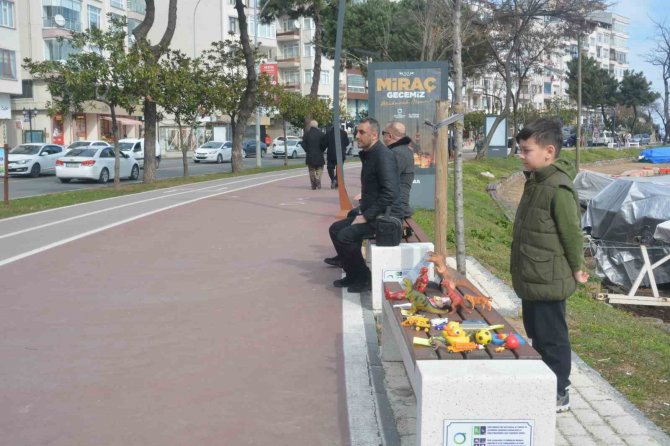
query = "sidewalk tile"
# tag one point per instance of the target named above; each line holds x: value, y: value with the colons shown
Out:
x: 605, y: 435
x: 587, y: 417
x: 583, y: 440
x: 626, y: 425
x: 577, y: 401
x: 609, y: 409
x: 569, y: 426
x: 560, y: 440
x: 641, y: 440
x: 592, y: 394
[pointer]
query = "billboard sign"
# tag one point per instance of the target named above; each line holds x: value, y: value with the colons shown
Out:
x: 406, y: 92
x: 270, y: 69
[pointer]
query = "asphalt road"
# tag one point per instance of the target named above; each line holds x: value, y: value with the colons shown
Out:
x: 22, y: 187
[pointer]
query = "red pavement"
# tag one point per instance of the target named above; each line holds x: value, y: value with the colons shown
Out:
x: 212, y: 323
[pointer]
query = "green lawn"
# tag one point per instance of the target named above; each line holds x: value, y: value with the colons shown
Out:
x: 633, y: 355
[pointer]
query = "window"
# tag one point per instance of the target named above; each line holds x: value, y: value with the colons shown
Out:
x: 7, y: 64
x: 26, y: 90
x: 70, y: 10
x: 55, y: 50
x: 264, y: 30
x: 290, y: 77
x: 307, y: 23
x: 93, y: 17
x: 137, y: 6
x: 232, y: 25
x: 231, y: 2
x: 7, y: 13
x: 289, y: 25
x: 308, y: 50
x: 356, y: 83
x: 290, y: 51
x: 117, y: 4
x: 547, y: 88
x: 324, y: 79
x: 132, y: 24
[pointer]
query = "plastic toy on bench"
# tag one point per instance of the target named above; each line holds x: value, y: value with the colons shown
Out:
x: 419, y: 300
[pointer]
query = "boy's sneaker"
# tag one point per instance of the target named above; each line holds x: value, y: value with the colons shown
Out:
x: 563, y: 401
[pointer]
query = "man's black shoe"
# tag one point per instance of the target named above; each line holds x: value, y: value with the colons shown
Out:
x: 343, y: 283
x: 333, y: 261
x: 360, y: 287
x: 333, y: 184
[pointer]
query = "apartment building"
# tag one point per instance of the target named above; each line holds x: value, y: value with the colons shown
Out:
x: 607, y: 43
x: 41, y: 24
x: 10, y: 60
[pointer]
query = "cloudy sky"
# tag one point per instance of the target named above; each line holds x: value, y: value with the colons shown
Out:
x: 641, y: 33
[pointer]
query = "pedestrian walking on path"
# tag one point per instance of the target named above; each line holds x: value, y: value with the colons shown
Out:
x: 311, y: 142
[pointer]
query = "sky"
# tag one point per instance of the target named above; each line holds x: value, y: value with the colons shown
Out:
x: 641, y: 34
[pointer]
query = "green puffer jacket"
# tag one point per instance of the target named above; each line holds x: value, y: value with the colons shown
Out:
x: 540, y: 266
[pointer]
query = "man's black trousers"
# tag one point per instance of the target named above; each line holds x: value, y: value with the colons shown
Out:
x: 331, y: 170
x: 348, y: 240
x: 545, y: 324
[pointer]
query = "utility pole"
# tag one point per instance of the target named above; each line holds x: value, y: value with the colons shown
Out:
x: 440, y: 149
x: 578, y: 143
x: 459, y: 223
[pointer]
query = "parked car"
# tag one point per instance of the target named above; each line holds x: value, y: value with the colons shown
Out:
x: 214, y: 152
x: 295, y: 149
x: 352, y: 148
x: 34, y: 159
x: 95, y: 163
x: 569, y: 140
x: 249, y: 148
x: 641, y: 138
x: 135, y: 147
x: 280, y: 141
x: 76, y: 144
x: 604, y: 138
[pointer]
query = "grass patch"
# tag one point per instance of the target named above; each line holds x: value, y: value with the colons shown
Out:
x: 22, y: 206
x: 633, y: 355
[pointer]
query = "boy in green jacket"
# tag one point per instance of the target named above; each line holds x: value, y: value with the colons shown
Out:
x: 547, y: 253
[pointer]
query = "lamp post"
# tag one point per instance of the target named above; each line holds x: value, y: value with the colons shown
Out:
x: 29, y: 115
x: 194, y: 10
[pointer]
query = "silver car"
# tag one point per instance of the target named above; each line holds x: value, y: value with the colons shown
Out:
x: 295, y: 149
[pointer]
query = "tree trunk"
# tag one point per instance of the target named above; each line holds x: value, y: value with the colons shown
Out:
x: 183, y: 148
x: 117, y: 153
x: 666, y: 112
x: 247, y: 102
x: 318, y: 31
x: 285, y: 143
x: 458, y: 141
x: 150, y: 113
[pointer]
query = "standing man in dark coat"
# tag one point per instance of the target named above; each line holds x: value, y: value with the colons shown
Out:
x: 379, y: 191
x: 331, y: 154
x: 395, y: 139
x: 311, y: 142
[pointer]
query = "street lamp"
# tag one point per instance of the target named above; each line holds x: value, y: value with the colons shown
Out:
x: 29, y: 115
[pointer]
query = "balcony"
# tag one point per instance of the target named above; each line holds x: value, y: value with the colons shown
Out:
x: 291, y: 85
x: 70, y: 24
x: 138, y: 6
x: 290, y: 35
x: 289, y: 62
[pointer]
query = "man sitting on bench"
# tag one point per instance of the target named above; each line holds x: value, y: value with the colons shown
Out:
x: 379, y: 190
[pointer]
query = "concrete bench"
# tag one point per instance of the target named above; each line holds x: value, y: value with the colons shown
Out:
x: 511, y: 394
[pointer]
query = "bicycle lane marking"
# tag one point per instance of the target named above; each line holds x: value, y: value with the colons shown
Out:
x: 127, y: 220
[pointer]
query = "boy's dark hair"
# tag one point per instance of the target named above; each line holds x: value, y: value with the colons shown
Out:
x: 546, y: 132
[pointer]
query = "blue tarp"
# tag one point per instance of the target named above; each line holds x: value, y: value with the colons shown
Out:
x: 656, y: 155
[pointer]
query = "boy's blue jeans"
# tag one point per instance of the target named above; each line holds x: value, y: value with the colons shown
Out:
x: 545, y: 324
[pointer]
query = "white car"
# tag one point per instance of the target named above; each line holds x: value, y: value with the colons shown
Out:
x: 77, y: 144
x: 34, y: 158
x: 95, y: 163
x: 135, y: 148
x: 214, y: 152
x: 295, y: 149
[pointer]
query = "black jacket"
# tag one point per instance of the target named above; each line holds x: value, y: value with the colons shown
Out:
x: 379, y: 182
x: 311, y: 142
x: 329, y: 143
x: 404, y: 158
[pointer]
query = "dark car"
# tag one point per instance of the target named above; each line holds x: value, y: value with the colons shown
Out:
x: 249, y: 148
x: 569, y: 140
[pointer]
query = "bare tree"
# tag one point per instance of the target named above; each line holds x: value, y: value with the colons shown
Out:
x: 522, y: 33
x: 660, y: 57
x: 150, y: 107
